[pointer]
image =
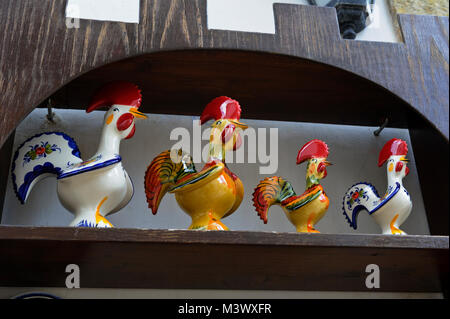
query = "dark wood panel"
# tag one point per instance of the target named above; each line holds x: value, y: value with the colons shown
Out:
x: 130, y: 258
x: 268, y: 86
x: 39, y: 54
x: 5, y: 162
x: 431, y: 154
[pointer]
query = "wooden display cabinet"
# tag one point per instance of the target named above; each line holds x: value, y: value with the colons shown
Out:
x: 179, y: 64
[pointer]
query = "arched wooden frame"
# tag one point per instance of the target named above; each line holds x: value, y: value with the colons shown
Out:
x: 39, y: 54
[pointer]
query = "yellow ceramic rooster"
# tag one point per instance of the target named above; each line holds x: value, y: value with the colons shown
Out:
x: 214, y: 192
x: 303, y: 211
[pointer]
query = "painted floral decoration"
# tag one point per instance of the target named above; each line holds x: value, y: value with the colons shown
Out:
x: 38, y: 151
x: 355, y: 196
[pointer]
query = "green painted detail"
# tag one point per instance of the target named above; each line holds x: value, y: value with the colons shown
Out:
x: 169, y: 171
x: 297, y: 204
x: 197, y: 177
x: 187, y: 169
x: 199, y: 227
x: 312, y: 179
x: 285, y: 192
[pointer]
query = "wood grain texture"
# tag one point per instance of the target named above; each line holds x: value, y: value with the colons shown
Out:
x: 427, y: 145
x: 133, y: 258
x: 39, y: 54
x: 268, y: 86
x: 5, y: 162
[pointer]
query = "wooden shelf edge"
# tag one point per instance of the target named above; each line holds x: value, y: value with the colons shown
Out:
x: 181, y: 259
x: 176, y: 236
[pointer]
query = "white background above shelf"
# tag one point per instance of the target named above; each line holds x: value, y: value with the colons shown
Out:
x: 353, y: 149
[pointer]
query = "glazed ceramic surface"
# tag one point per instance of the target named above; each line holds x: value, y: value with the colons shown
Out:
x: 303, y: 211
x: 214, y: 192
x: 393, y: 208
x: 89, y: 189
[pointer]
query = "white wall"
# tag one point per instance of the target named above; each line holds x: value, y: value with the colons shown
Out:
x: 353, y: 149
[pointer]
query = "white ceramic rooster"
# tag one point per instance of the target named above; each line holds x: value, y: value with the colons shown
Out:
x: 391, y: 210
x: 93, y: 188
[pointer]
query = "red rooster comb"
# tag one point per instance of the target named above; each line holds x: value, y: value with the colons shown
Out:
x: 221, y: 107
x: 119, y: 92
x: 394, y: 147
x: 312, y: 149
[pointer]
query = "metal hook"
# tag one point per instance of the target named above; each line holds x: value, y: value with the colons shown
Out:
x: 50, y: 114
x: 378, y: 131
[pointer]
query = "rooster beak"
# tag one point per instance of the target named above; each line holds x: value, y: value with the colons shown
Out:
x: 404, y: 159
x: 240, y: 125
x: 137, y: 114
x: 327, y: 163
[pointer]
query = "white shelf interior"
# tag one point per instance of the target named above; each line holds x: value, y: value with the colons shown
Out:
x: 353, y: 150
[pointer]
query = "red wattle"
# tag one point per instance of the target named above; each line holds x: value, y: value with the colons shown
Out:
x: 133, y: 130
x: 125, y: 121
x: 227, y: 133
x: 398, y: 167
x: 406, y: 171
x: 321, y: 167
x: 238, y: 142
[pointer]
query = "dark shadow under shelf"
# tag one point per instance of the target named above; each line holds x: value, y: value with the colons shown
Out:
x: 138, y: 258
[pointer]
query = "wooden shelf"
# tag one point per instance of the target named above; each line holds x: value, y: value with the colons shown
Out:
x: 136, y: 258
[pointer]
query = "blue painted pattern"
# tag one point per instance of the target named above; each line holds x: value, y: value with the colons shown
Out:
x: 85, y: 223
x: 83, y: 169
x: 47, y: 167
x: 350, y: 202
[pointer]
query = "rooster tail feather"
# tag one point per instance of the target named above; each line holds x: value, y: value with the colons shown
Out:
x: 163, y: 173
x: 40, y: 156
x: 361, y: 196
x: 271, y: 191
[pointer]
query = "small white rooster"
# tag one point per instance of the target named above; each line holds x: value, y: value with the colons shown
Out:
x: 391, y: 210
x: 93, y: 188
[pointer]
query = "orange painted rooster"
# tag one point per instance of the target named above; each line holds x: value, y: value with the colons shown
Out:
x: 303, y: 211
x: 214, y: 192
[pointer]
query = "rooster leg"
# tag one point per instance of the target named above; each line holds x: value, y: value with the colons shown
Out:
x: 207, y: 222
x: 99, y: 219
x: 394, y: 229
x: 310, y: 225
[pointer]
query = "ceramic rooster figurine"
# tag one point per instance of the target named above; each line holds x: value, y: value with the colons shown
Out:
x: 214, y: 192
x: 303, y: 211
x: 391, y: 210
x: 93, y: 188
